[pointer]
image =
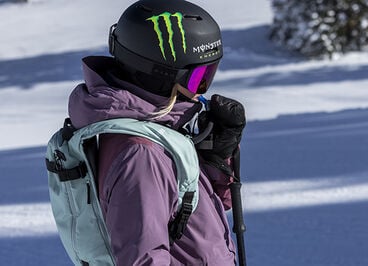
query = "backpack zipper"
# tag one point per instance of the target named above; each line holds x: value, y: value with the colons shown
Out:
x: 59, y: 158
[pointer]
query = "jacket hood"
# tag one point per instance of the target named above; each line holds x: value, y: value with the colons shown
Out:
x: 105, y: 96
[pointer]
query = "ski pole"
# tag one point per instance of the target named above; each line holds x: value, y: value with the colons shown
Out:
x: 239, y: 226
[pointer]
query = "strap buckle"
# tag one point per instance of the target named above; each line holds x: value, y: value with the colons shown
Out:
x: 177, y: 227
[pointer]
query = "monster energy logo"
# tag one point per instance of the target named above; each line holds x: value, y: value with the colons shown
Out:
x: 169, y: 27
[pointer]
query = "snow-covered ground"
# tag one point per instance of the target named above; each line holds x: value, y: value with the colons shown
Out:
x: 304, y: 151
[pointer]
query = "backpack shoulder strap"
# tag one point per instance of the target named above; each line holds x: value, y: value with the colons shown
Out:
x: 180, y: 148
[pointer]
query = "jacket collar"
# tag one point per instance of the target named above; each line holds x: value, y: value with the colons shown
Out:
x: 107, y: 96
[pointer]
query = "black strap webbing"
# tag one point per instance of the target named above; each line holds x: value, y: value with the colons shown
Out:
x: 77, y: 172
x: 68, y: 129
x: 177, y: 227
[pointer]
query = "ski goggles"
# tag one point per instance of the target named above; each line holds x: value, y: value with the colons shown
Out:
x: 200, y: 77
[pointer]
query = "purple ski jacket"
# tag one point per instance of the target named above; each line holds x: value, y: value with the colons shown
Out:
x: 137, y: 178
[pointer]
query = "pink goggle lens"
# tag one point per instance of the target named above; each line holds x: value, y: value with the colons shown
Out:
x: 201, y: 78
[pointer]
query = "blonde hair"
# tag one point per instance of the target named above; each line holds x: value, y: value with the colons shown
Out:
x: 167, y: 108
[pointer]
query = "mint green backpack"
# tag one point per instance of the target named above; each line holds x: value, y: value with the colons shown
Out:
x: 71, y: 165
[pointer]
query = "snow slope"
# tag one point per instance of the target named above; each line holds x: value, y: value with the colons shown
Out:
x: 305, y: 148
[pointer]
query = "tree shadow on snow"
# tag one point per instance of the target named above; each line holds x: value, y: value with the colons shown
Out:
x: 251, y: 48
x: 23, y: 175
x: 33, y: 251
x: 324, y: 235
x: 13, y: 2
x: 26, y: 72
x: 306, y: 146
x: 323, y: 74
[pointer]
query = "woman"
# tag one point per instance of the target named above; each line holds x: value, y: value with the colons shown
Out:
x: 165, y: 55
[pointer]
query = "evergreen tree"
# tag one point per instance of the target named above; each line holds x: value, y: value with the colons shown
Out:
x: 320, y: 27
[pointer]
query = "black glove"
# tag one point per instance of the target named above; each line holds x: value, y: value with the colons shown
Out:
x: 229, y: 121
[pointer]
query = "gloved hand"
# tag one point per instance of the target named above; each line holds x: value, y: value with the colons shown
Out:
x: 229, y: 121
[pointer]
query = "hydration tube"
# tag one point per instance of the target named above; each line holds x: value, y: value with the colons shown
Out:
x: 200, y: 137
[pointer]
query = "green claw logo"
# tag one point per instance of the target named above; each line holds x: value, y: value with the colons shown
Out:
x: 169, y: 27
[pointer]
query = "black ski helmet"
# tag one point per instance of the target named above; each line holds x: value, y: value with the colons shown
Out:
x: 165, y: 40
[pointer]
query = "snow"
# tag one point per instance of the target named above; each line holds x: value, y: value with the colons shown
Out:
x: 304, y: 150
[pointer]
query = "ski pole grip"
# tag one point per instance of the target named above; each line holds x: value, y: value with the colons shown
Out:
x: 239, y: 226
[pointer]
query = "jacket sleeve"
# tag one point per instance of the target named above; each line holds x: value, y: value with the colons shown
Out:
x: 141, y: 196
x: 220, y: 181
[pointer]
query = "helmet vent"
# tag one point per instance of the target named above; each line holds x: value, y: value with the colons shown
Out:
x: 145, y: 8
x: 193, y: 17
